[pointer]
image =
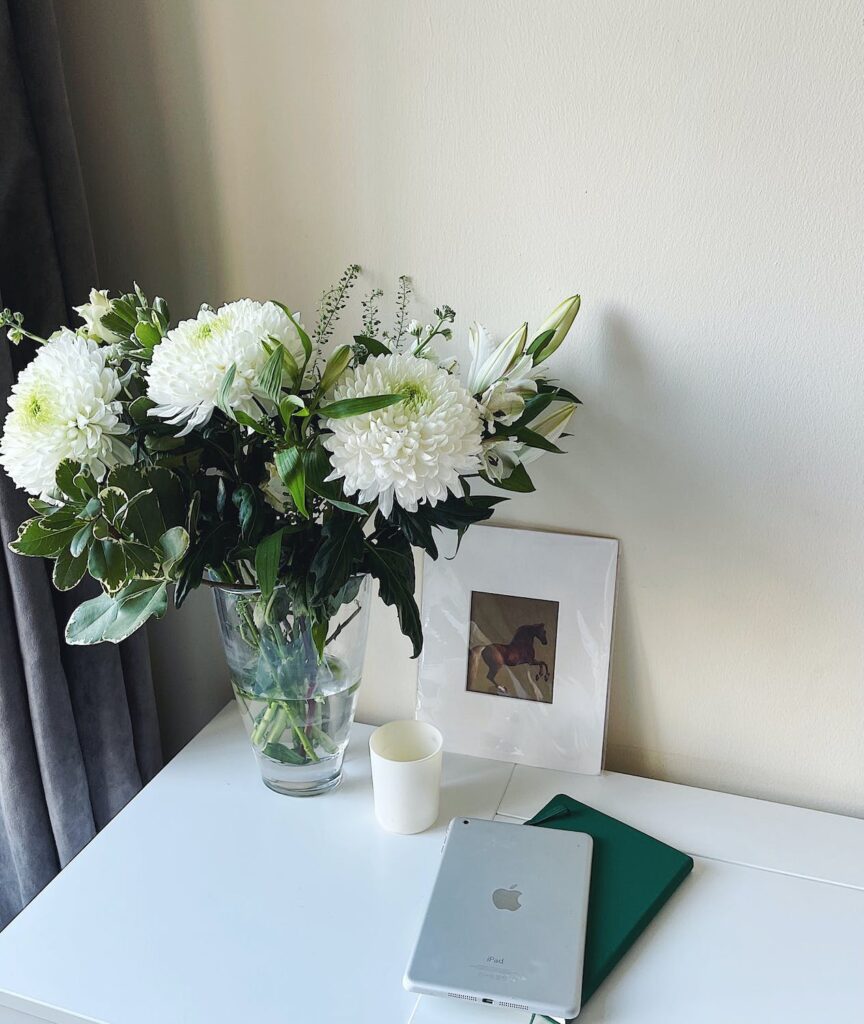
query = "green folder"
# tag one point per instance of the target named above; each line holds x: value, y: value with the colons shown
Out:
x: 632, y: 876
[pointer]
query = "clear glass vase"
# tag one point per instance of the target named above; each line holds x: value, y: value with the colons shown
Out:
x: 297, y: 705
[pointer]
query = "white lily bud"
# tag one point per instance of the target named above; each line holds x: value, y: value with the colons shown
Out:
x: 551, y: 424
x: 336, y: 364
x: 490, y: 362
x: 560, y: 320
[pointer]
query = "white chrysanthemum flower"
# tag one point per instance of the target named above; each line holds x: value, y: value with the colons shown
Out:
x: 410, y: 452
x: 91, y: 313
x: 64, y: 406
x: 191, y: 361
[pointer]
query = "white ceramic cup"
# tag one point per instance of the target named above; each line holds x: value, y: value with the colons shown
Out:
x: 406, y: 775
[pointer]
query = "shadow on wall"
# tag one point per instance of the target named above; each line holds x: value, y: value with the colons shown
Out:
x: 152, y: 129
x: 172, y: 247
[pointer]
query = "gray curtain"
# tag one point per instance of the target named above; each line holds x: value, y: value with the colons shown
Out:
x: 78, y: 728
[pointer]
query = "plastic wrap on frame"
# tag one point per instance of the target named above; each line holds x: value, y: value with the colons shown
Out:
x: 575, y: 573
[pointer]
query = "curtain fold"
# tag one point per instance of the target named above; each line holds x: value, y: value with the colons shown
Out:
x: 78, y: 727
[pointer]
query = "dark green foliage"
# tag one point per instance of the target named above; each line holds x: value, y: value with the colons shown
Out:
x: 200, y: 505
x: 337, y: 556
x: 390, y: 561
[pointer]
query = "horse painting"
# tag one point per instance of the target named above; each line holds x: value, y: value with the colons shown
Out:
x: 520, y: 651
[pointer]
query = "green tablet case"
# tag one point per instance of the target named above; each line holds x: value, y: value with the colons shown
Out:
x: 632, y: 876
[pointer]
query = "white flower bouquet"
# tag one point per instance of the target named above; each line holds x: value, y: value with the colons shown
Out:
x: 240, y: 449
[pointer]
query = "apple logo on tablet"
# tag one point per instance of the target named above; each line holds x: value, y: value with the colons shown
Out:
x: 507, y: 899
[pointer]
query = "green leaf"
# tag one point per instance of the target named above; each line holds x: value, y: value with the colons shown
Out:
x: 279, y: 752
x: 563, y: 395
x: 88, y: 622
x: 141, y: 600
x: 373, y: 346
x: 225, y: 391
x: 455, y: 513
x: 61, y: 519
x: 41, y: 507
x: 517, y: 481
x: 163, y: 442
x: 539, y: 342
x: 106, y: 562
x: 535, y: 440
x: 292, y: 405
x: 69, y: 568
x: 160, y: 314
x: 292, y: 473
x: 318, y: 467
x: 267, y: 558
x: 148, y: 335
x: 81, y: 540
x: 210, y: 549
x: 246, y: 498
x: 319, y: 637
x: 192, y: 514
x: 356, y: 406
x: 304, y: 337
x: 338, y: 553
x: 270, y: 377
x: 148, y: 517
x: 114, y: 502
x: 65, y: 479
x: 336, y: 366
x: 289, y: 365
x: 140, y: 559
x: 35, y: 540
x: 115, y: 617
x: 392, y: 565
x: 173, y: 545
x: 139, y: 411
x: 245, y: 420
x: 86, y: 483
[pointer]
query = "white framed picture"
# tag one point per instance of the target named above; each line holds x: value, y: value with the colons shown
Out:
x: 518, y: 644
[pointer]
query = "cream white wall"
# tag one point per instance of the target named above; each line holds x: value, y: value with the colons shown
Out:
x: 693, y: 169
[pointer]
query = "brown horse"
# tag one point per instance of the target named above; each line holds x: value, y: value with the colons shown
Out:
x: 520, y: 651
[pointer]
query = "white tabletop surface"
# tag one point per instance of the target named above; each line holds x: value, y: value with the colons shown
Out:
x: 211, y: 900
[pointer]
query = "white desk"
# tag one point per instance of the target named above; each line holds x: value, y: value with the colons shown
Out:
x: 210, y: 900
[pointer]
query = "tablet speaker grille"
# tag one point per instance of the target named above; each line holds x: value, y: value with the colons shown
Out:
x: 458, y: 995
x: 513, y: 1006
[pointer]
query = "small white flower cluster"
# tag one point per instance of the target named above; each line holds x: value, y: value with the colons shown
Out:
x: 190, y: 363
x: 63, y: 406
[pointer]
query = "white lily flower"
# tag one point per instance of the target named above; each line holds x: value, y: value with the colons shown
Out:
x: 500, y: 456
x: 551, y: 424
x: 91, y: 313
x: 560, y: 320
x: 490, y: 360
x: 501, y: 404
x: 522, y: 376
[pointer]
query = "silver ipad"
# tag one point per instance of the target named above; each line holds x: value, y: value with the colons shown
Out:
x: 505, y: 923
